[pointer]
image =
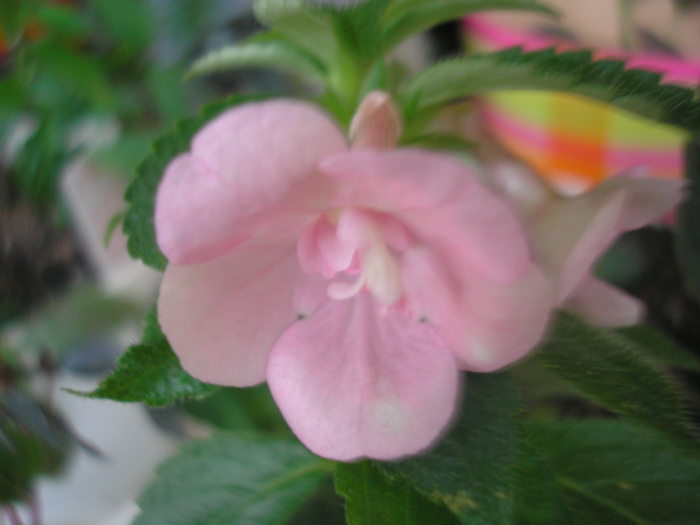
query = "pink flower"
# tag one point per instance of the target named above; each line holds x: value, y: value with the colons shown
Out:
x: 356, y: 281
x: 570, y: 234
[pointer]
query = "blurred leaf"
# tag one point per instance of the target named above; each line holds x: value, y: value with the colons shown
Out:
x: 168, y: 90
x: 128, y: 22
x: 33, y: 441
x: 372, y: 497
x: 440, y: 141
x: 150, y: 372
x: 63, y: 21
x: 68, y: 321
x: 273, y: 54
x: 61, y: 73
x: 125, y: 154
x: 306, y: 25
x: 471, y: 469
x: 13, y: 96
x: 359, y: 27
x: 140, y: 196
x: 612, y: 372
x: 608, y: 473
x: 408, y: 17
x: 575, y: 72
x: 14, y: 15
x: 232, y: 480
x: 39, y: 162
x: 538, y: 499
x: 688, y: 230
x: 325, y: 507
x: 112, y: 226
x: 240, y: 409
x: 660, y: 347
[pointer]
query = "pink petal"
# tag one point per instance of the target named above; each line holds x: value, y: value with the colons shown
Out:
x: 604, y: 305
x: 440, y: 200
x: 352, y: 381
x: 501, y: 322
x: 395, y: 180
x: 487, y: 324
x: 242, y: 168
x: 570, y: 234
x: 524, y: 188
x: 223, y: 317
x: 376, y: 124
x: 647, y: 199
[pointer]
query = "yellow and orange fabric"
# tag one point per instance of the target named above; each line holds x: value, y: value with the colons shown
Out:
x: 571, y: 141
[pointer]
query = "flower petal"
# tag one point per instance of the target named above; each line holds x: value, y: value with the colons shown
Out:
x: 376, y: 124
x: 570, y: 234
x: 353, y: 381
x: 223, y: 317
x: 604, y: 305
x: 242, y: 168
x: 487, y: 324
x: 647, y: 199
x: 438, y: 199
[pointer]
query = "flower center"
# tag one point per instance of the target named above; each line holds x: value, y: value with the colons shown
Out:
x: 355, y: 249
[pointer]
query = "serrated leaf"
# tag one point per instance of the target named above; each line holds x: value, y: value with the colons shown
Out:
x: 360, y: 28
x: 273, y: 54
x: 609, y: 473
x: 609, y: 370
x: 306, y: 25
x: 232, y: 480
x: 471, y: 469
x: 660, y: 347
x: 140, y: 195
x: 440, y: 141
x: 573, y: 72
x: 537, y: 496
x: 150, y: 372
x: 372, y: 497
x: 688, y: 232
x: 408, y: 17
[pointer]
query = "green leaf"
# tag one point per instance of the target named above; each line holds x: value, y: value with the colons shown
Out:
x: 659, y: 347
x: 308, y: 26
x: 373, y: 497
x: 441, y: 141
x: 275, y: 54
x: 69, y: 73
x: 129, y: 23
x: 360, y: 28
x: 240, y: 409
x: 688, y: 231
x: 140, y: 195
x: 612, y: 372
x: 33, y: 441
x: 232, y: 480
x: 408, y: 17
x: 574, y: 72
x: 471, y: 469
x: 609, y: 473
x: 537, y: 496
x: 150, y: 372
x: 38, y: 164
x: 14, y: 14
x: 76, y: 316
x: 63, y: 21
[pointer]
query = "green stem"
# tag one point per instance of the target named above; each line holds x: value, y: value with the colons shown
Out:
x: 627, y: 31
